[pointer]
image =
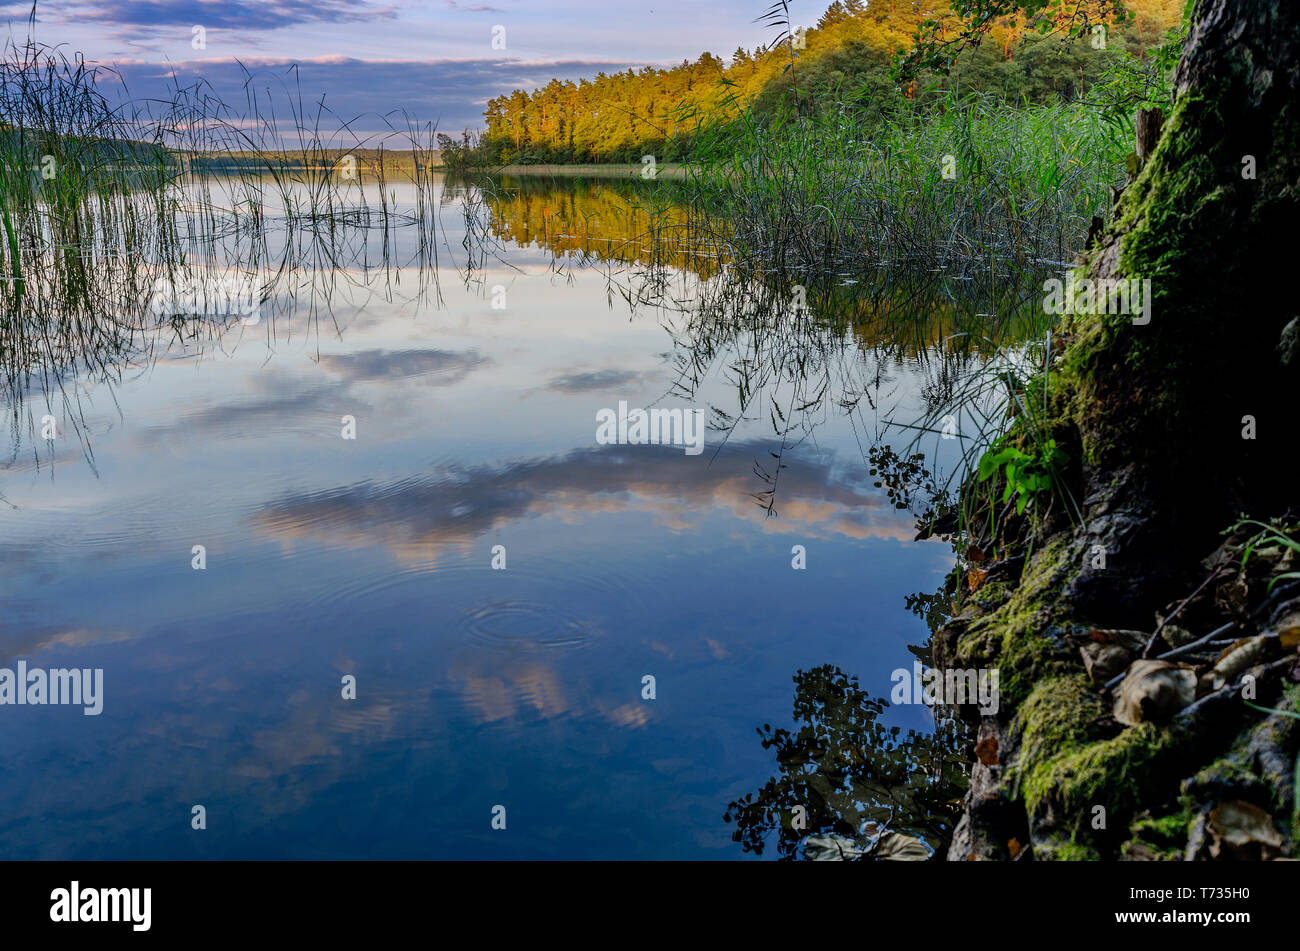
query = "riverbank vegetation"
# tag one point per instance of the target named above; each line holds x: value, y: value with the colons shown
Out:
x: 814, y: 155
x: 840, y: 66
x: 1148, y: 656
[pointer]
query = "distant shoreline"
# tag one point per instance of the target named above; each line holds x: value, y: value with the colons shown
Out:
x: 613, y: 170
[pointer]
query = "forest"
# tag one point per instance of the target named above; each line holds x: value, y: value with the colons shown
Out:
x: 843, y: 62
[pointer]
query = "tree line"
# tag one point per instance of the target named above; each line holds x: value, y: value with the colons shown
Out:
x: 841, y: 62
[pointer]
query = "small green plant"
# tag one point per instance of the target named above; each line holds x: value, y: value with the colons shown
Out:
x: 1028, y: 474
x: 1002, y: 415
x: 1269, y: 540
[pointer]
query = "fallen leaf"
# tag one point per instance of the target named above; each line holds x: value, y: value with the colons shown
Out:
x: 1233, y: 596
x: 1154, y: 690
x: 888, y: 847
x: 830, y: 848
x: 1242, y: 830
x: 896, y: 847
x: 1129, y: 640
x: 1103, y: 661
x: 1241, y: 655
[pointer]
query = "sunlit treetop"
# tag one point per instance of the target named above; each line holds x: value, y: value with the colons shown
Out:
x: 939, y: 39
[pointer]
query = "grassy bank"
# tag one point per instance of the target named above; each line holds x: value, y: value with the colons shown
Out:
x: 973, y: 184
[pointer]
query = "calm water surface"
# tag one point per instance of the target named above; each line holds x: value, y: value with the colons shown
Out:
x: 475, y: 427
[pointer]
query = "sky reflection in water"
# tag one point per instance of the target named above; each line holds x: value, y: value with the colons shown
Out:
x: 475, y: 428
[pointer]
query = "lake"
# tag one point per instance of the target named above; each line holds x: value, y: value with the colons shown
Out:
x: 394, y: 475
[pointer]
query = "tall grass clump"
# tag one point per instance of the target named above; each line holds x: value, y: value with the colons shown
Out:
x: 930, y: 209
x: 72, y: 179
x: 105, y: 199
x: 971, y: 184
x: 131, y: 226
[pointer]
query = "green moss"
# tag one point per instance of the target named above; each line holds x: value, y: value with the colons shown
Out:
x: 1140, y: 849
x: 1056, y: 717
x: 1070, y: 768
x: 980, y: 645
x: 1118, y: 773
x: 1018, y: 637
x: 1228, y: 771
x: 991, y: 596
x: 1160, y: 838
x: 1239, y: 771
x: 1065, y: 851
x: 1167, y: 833
x: 1122, y: 385
x: 1167, y: 830
x: 1012, y: 639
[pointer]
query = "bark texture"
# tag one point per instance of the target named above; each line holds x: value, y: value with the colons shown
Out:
x: 1153, y: 416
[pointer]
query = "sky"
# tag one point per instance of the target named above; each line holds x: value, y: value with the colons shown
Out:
x: 435, y: 59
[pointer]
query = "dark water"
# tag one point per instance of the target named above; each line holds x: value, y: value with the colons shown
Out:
x: 475, y: 687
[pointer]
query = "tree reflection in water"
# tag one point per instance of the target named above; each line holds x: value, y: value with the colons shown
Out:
x: 864, y: 785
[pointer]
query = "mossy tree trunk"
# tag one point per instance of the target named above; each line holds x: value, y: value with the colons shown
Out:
x: 1211, y: 222
x: 1154, y: 415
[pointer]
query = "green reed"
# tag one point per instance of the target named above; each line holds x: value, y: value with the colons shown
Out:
x: 971, y: 184
x: 104, y: 199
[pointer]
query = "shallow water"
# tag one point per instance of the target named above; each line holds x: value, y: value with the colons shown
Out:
x: 372, y: 557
